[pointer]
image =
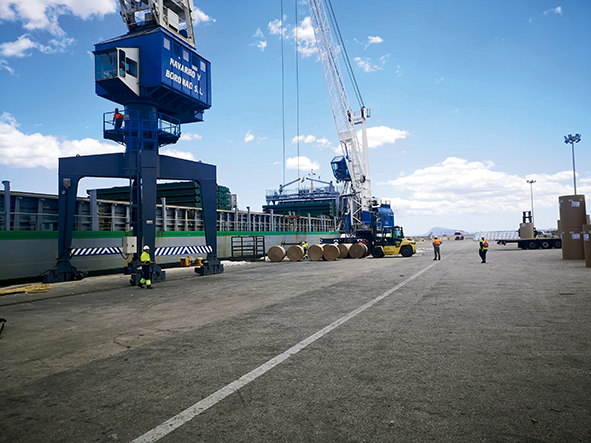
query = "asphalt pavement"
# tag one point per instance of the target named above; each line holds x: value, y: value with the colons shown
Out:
x: 371, y: 350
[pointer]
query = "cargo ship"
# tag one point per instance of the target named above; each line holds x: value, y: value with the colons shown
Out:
x: 29, y: 229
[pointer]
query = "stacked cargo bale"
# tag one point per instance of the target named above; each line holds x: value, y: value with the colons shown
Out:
x: 587, y: 243
x: 177, y: 194
x: 572, y: 218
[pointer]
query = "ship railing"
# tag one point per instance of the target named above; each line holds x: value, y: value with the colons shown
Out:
x: 36, y: 213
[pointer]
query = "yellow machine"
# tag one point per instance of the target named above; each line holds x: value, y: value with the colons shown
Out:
x: 392, y: 242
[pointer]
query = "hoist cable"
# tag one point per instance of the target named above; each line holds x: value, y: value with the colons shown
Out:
x: 297, y: 89
x: 283, y: 92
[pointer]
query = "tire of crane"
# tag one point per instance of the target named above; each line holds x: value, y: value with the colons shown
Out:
x: 558, y: 244
x: 546, y: 244
x: 533, y: 245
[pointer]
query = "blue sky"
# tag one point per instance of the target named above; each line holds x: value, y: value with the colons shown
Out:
x: 468, y: 100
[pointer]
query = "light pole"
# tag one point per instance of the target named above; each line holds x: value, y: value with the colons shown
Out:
x: 531, y: 186
x: 572, y: 139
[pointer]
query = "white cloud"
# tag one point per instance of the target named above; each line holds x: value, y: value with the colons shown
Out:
x: 276, y: 27
x: 19, y: 150
x: 17, y: 48
x: 262, y: 45
x: 301, y: 163
x: 557, y: 10
x: 303, y: 34
x: 383, y: 135
x: 373, y: 41
x: 438, y: 80
x: 368, y: 66
x: 188, y: 136
x: 259, y: 34
x: 321, y: 143
x: 248, y: 137
x: 20, y: 47
x: 185, y: 155
x: 457, y: 186
x: 4, y: 65
x: 199, y: 16
x: 305, y: 38
x: 44, y: 14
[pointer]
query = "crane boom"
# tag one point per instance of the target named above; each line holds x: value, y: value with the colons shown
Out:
x: 355, y: 152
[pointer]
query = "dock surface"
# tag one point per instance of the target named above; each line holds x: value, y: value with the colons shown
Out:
x: 371, y: 350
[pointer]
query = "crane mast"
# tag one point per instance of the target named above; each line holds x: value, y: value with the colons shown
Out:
x: 357, y: 191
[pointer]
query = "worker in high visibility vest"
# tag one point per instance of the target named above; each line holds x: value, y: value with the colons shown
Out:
x: 146, y: 268
x: 483, y: 249
x: 437, y: 248
x: 305, y: 248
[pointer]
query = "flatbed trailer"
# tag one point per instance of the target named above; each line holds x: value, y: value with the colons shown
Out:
x: 534, y: 243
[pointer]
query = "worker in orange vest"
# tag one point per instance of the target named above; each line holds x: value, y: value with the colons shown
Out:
x: 437, y: 248
x: 117, y: 119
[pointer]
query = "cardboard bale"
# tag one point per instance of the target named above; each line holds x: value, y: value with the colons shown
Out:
x: 572, y: 244
x: 587, y: 244
x: 572, y: 211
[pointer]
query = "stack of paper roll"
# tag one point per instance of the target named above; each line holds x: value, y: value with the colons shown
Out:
x: 331, y: 252
x: 344, y: 250
x: 358, y: 250
x: 295, y: 253
x: 316, y: 252
x: 276, y: 253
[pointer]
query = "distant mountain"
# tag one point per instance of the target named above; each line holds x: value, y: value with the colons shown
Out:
x: 438, y: 230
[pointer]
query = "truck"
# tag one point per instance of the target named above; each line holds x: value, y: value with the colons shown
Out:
x: 459, y: 235
x: 530, y: 237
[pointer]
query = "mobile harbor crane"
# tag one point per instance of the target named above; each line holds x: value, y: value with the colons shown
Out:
x: 360, y: 215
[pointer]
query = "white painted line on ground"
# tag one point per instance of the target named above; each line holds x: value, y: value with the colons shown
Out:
x: 193, y: 411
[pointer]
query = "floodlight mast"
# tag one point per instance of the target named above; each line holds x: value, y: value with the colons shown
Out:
x: 572, y: 139
x: 173, y: 15
x: 355, y: 152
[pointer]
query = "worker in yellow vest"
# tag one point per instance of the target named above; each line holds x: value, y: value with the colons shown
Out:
x: 305, y: 248
x: 146, y: 268
x: 437, y: 248
x: 483, y: 249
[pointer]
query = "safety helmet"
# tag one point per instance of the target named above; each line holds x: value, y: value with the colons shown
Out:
x: 146, y: 248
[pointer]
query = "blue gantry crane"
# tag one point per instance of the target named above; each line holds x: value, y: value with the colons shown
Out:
x: 155, y: 74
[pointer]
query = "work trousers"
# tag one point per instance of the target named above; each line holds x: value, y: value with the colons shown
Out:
x: 437, y: 252
x: 482, y: 253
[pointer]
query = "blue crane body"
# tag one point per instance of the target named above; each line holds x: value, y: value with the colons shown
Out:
x: 156, y: 74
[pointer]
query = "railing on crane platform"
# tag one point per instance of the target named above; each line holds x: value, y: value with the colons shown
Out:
x: 159, y: 130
